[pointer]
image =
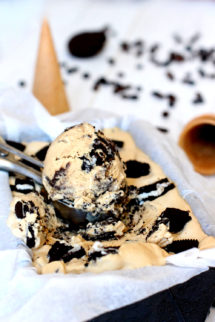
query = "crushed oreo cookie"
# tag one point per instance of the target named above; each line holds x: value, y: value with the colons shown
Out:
x: 118, y: 143
x: 30, y: 240
x: 19, y: 210
x: 179, y: 246
x: 134, y: 47
x: 175, y: 219
x: 61, y: 251
x: 137, y: 196
x: 154, y: 190
x: 41, y: 154
x: 171, y: 99
x: 22, y: 207
x: 170, y: 76
x: 86, y: 75
x: 198, y: 99
x: 110, y: 235
x: 87, y: 44
x: 72, y: 70
x: 58, y: 174
x: 136, y: 169
x: 24, y: 185
x: 172, y: 57
x: 16, y: 145
x: 162, y: 129
x: 98, y: 254
x: 22, y: 83
x: 165, y: 114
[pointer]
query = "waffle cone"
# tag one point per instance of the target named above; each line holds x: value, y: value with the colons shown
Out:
x: 198, y: 141
x: 48, y: 86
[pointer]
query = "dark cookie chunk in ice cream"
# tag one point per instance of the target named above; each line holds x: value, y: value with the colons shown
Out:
x: 175, y: 219
x: 41, y: 154
x: 105, y: 251
x: 16, y: 145
x: 21, y: 208
x: 24, y: 185
x: 136, y: 169
x: 100, y: 237
x: 118, y: 143
x: 61, y: 251
x: 58, y: 174
x: 30, y: 240
x: 179, y: 246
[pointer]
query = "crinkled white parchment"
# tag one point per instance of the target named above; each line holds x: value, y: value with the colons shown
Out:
x: 25, y: 295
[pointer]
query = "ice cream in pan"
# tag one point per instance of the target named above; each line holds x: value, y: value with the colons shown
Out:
x: 136, y: 216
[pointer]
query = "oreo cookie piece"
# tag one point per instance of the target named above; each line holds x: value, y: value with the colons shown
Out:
x: 19, y: 210
x: 87, y: 44
x: 179, y: 246
x: 110, y: 235
x: 30, y: 240
x: 60, y: 251
x: 59, y: 173
x: 16, y: 145
x: 177, y: 218
x: 106, y: 251
x: 24, y: 185
x: 22, y: 207
x: 118, y: 143
x: 137, y: 169
x: 41, y: 154
x: 174, y: 218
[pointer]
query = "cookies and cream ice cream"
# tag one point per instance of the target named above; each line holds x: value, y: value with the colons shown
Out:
x: 84, y: 168
x: 151, y: 222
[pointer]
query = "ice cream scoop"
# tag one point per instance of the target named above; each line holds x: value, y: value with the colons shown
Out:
x: 16, y: 161
x: 83, y: 168
x: 198, y: 141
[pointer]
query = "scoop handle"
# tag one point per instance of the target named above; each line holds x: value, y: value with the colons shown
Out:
x: 10, y: 162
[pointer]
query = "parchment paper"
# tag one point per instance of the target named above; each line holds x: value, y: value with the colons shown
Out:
x: 27, y: 296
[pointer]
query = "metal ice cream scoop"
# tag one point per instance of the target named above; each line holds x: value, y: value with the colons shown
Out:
x: 13, y: 160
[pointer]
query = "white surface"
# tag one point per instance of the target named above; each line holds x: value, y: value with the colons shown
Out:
x: 150, y: 20
x: 26, y: 295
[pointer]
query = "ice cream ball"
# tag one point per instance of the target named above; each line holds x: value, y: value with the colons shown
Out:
x: 84, y: 168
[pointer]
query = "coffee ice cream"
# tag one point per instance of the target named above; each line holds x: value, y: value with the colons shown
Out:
x: 146, y: 218
x: 84, y: 169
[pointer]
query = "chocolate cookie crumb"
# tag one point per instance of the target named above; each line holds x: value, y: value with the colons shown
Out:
x: 198, y: 99
x: 136, y: 169
x: 179, y: 246
x: 162, y: 129
x: 172, y: 100
x: 165, y: 114
x: 86, y: 75
x: 111, y: 61
x: 87, y: 44
x: 22, y: 83
x: 16, y: 145
x: 72, y: 70
x: 170, y: 76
